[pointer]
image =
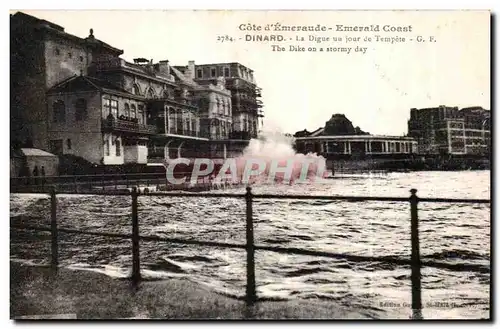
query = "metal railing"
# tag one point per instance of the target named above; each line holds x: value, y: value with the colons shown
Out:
x: 414, y: 262
x: 127, y: 126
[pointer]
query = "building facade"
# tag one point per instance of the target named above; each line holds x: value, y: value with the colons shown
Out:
x: 340, y: 138
x: 42, y: 55
x: 72, y: 95
x: 245, y: 95
x: 354, y: 145
x: 450, y: 130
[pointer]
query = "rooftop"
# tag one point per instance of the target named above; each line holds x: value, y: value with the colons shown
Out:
x: 23, y: 19
x: 36, y: 152
x: 84, y: 83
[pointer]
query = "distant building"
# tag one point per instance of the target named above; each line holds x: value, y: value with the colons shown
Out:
x: 448, y: 130
x: 245, y: 94
x: 72, y: 95
x: 340, y: 137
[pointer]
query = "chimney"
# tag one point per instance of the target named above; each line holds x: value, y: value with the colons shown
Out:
x: 191, y: 70
x: 164, y: 67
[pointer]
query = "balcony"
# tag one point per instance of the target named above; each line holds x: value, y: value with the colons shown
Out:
x: 241, y: 84
x: 242, y: 135
x: 112, y: 124
x: 185, y: 132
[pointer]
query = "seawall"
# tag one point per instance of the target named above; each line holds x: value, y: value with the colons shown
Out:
x: 417, y: 163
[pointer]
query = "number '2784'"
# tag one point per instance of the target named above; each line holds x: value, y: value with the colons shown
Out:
x: 224, y: 38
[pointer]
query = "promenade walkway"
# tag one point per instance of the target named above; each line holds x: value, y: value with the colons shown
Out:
x: 36, y: 292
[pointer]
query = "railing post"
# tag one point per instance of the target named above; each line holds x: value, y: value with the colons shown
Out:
x: 136, y: 272
x: 250, y: 291
x: 416, y: 284
x: 53, y: 229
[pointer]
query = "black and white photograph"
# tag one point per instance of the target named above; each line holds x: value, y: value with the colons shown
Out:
x: 250, y: 165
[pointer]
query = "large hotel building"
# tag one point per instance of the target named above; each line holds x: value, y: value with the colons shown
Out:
x: 450, y: 130
x: 72, y: 95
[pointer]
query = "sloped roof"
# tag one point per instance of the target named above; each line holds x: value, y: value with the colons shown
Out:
x: 20, y: 18
x: 36, y: 152
x: 84, y: 83
x: 33, y: 20
x: 317, y: 132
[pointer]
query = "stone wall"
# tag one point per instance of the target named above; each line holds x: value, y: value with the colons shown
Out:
x: 84, y: 135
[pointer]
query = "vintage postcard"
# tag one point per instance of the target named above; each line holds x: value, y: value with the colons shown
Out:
x: 224, y: 164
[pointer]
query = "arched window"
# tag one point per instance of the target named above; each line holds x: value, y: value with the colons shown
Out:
x: 136, y: 89
x: 127, y: 110
x: 151, y: 93
x: 68, y: 143
x: 81, y: 109
x: 118, y: 147
x: 59, y: 111
x: 133, y: 111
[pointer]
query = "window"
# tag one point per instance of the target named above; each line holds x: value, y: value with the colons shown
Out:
x: 70, y: 55
x: 106, y: 143
x: 141, y: 115
x: 110, y: 106
x: 127, y: 110
x: 133, y: 111
x: 199, y: 73
x: 106, y: 106
x: 218, y: 105
x: 213, y: 72
x: 80, y: 109
x: 226, y: 71
x: 57, y: 51
x: 151, y: 93
x: 59, y: 111
x: 136, y: 90
x: 81, y: 58
x: 114, y: 108
x: 227, y: 109
x: 118, y: 148
x: 68, y: 143
x: 56, y: 146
